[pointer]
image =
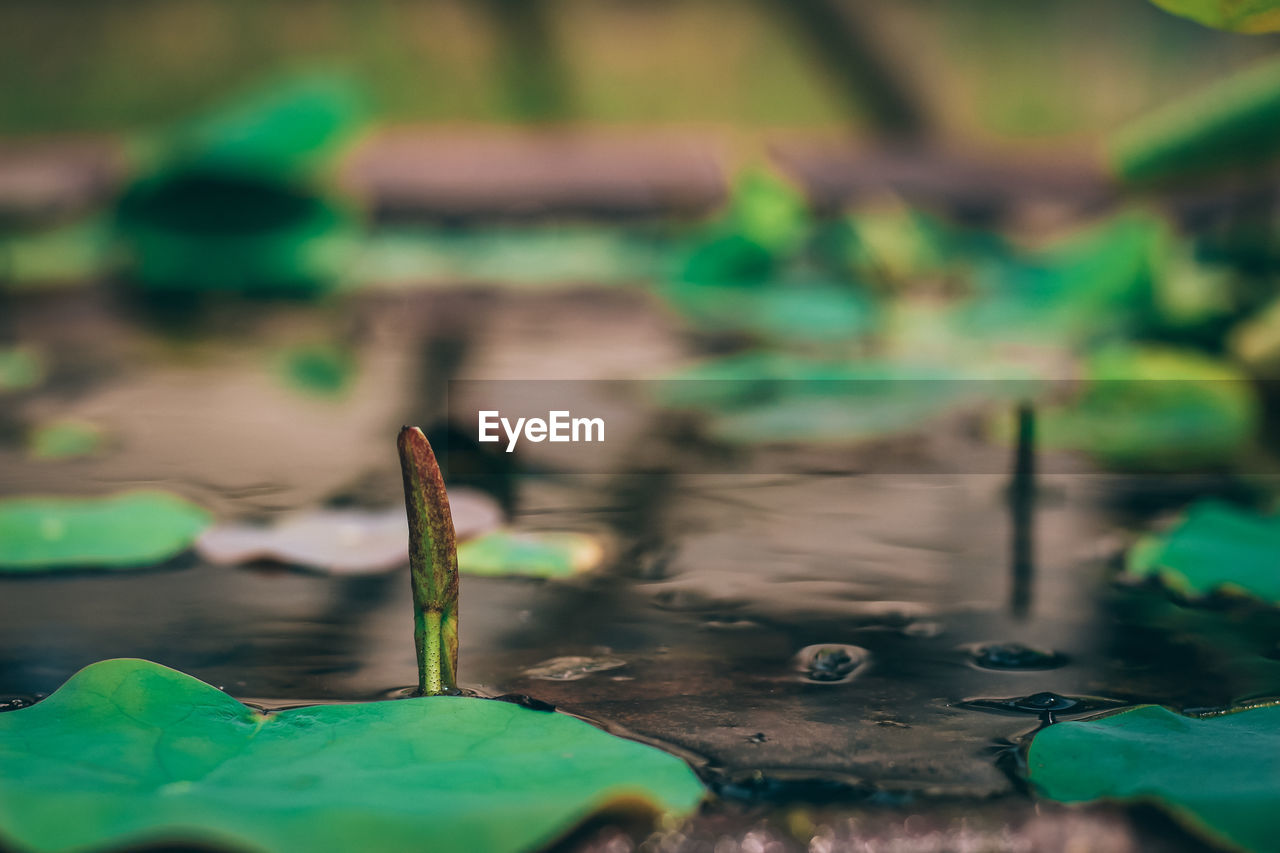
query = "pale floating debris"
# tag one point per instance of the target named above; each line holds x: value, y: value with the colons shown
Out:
x: 341, y: 541
x: 572, y: 667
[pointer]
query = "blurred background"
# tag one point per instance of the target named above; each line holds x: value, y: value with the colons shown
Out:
x: 880, y: 265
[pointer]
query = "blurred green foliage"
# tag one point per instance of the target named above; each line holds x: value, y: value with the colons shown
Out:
x: 1156, y: 409
x: 237, y: 200
x: 1228, y: 126
x: 1242, y: 16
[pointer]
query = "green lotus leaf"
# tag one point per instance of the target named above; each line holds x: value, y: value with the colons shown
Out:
x: 1157, y: 409
x: 530, y: 553
x: 126, y: 530
x: 1242, y: 16
x: 1228, y: 126
x: 1214, y: 548
x: 1216, y: 774
x: 129, y: 753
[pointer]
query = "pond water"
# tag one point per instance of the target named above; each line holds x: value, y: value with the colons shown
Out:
x: 809, y: 628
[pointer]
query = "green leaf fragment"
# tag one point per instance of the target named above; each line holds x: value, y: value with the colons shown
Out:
x: 1228, y: 126
x: 129, y: 752
x: 787, y: 312
x: 1242, y: 16
x: 1214, y: 548
x: 1217, y: 774
x: 128, y: 530
x: 538, y: 553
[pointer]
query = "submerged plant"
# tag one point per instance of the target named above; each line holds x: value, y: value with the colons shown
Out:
x: 433, y: 564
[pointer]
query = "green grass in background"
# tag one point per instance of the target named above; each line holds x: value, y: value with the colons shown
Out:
x: 981, y: 66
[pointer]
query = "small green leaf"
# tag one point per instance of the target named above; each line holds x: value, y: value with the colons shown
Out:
x: 768, y: 210
x: 1214, y: 548
x: 341, y: 541
x: 1242, y: 16
x: 322, y: 370
x: 535, y: 553
x: 1216, y: 774
x: 128, y: 530
x: 128, y: 753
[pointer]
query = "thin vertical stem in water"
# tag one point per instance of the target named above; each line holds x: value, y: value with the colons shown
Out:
x: 433, y: 563
x: 1022, y: 496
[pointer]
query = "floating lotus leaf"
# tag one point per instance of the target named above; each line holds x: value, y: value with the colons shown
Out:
x: 531, y: 553
x: 122, y: 531
x: 1217, y: 774
x: 1214, y: 548
x: 341, y: 541
x: 1243, y: 16
x: 129, y: 753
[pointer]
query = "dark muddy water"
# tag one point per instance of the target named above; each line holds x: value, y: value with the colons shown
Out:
x: 811, y: 630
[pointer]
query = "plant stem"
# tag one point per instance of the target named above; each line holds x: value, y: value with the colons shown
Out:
x: 433, y: 564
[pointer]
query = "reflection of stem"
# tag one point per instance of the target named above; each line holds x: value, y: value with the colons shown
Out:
x: 433, y: 563
x: 1022, y: 495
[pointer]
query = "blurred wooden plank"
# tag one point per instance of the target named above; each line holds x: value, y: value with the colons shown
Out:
x: 45, y: 179
x: 837, y: 173
x: 474, y: 174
